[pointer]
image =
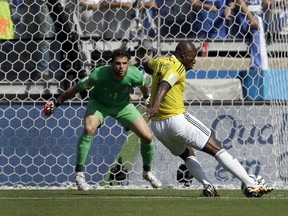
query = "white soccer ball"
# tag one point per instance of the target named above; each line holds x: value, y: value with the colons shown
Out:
x: 259, y: 180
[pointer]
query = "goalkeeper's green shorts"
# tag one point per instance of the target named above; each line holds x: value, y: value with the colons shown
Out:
x: 124, y: 115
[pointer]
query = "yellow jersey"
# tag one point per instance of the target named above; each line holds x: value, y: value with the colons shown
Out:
x: 171, y: 70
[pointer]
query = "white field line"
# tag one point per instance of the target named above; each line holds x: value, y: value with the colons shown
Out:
x: 53, y: 198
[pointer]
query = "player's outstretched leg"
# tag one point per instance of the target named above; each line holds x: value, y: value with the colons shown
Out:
x: 254, y: 187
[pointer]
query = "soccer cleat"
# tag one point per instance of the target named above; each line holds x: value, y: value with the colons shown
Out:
x: 80, y: 182
x: 268, y: 189
x: 210, y: 191
x: 148, y: 176
x: 258, y: 190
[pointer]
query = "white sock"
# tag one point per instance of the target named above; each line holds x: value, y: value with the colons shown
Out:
x: 196, y: 170
x: 233, y: 166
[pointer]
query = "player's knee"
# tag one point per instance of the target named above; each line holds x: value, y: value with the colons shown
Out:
x: 187, y: 153
x: 212, y: 146
x: 147, y: 138
x: 89, y: 130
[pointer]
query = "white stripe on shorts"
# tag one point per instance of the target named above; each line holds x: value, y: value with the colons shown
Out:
x: 181, y: 130
x: 197, y: 124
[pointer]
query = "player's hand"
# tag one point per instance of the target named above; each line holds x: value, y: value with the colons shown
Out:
x: 151, y: 111
x: 147, y: 100
x: 50, y: 107
x: 213, y: 9
x: 254, y: 24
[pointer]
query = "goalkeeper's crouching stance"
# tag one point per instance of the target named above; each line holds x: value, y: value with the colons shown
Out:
x: 110, y: 97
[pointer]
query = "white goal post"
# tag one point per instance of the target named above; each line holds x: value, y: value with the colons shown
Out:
x: 247, y: 109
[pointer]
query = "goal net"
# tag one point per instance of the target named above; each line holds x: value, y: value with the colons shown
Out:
x: 238, y: 88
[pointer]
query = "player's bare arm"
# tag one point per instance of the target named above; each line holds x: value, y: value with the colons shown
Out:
x: 145, y: 95
x: 161, y: 92
x: 70, y: 92
x: 145, y: 91
x: 244, y: 8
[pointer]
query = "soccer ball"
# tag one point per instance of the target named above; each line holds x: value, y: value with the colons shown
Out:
x: 259, y: 180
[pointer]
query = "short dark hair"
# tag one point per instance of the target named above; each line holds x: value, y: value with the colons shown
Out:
x: 120, y: 53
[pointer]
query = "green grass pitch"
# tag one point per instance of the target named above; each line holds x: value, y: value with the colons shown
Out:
x: 116, y: 202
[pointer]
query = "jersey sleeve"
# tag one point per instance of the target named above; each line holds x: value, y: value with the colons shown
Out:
x: 171, y: 76
x: 138, y: 78
x: 173, y: 71
x: 167, y: 69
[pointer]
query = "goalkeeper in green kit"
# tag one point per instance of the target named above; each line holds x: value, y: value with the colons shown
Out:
x: 110, y: 97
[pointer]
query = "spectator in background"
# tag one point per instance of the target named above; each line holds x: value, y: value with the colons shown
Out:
x: 17, y: 17
x: 279, y: 18
x: 89, y: 10
x: 105, y: 18
x: 249, y: 23
x: 6, y: 23
x: 71, y: 63
x: 210, y: 18
x: 143, y: 23
x: 48, y: 62
x: 6, y: 32
x: 117, y: 19
x: 175, y: 18
x: 33, y: 22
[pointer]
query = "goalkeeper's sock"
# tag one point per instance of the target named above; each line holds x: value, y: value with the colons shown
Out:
x: 83, y: 147
x: 233, y: 166
x: 196, y: 170
x: 79, y: 168
x: 147, y: 153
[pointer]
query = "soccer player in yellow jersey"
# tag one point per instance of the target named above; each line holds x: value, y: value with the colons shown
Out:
x: 178, y: 130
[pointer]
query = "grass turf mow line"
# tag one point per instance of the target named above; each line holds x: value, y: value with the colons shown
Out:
x: 171, y: 202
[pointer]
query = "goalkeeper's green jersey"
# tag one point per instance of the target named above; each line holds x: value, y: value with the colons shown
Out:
x: 109, y: 91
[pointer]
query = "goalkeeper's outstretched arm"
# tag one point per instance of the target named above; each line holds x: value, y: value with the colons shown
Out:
x: 50, y: 106
x: 70, y: 92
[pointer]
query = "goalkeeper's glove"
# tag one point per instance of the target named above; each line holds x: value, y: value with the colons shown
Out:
x: 50, y: 107
x: 147, y: 100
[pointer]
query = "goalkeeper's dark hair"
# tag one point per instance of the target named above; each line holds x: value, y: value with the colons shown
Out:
x: 120, y: 53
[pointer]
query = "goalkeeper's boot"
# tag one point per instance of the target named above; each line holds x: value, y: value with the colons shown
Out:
x: 80, y: 182
x: 210, y: 191
x: 148, y: 176
x: 258, y: 190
